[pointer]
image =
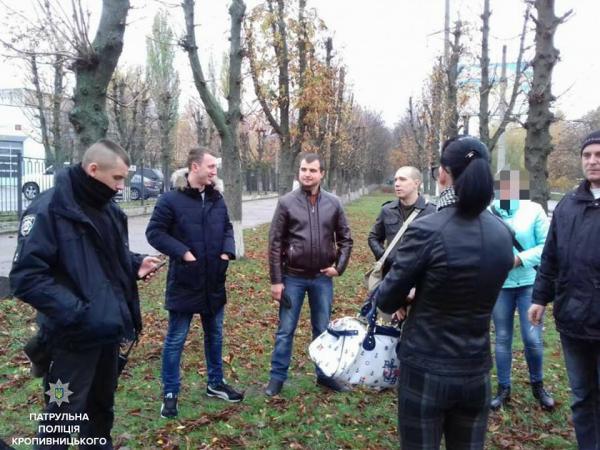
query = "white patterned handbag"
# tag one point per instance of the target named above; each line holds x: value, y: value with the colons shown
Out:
x: 335, y: 349
x: 354, y: 353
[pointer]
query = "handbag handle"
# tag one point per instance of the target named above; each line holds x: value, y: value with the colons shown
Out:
x: 372, y: 327
x: 341, y: 333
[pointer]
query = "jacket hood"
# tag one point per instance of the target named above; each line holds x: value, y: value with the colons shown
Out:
x: 179, y: 181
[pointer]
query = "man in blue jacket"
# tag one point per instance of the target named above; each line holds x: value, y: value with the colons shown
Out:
x: 191, y: 225
x: 73, y: 265
x: 569, y: 275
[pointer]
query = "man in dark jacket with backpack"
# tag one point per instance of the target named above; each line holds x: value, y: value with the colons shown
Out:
x: 191, y: 225
x: 73, y: 265
x: 569, y: 275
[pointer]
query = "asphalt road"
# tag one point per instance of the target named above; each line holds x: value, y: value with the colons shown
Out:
x: 254, y: 212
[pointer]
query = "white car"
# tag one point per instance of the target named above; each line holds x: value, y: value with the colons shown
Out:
x: 34, y: 183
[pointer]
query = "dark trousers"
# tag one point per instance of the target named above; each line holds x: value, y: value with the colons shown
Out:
x: 92, y: 376
x: 582, y: 358
x: 430, y: 406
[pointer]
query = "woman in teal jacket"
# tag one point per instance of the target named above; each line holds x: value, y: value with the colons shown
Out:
x: 530, y: 224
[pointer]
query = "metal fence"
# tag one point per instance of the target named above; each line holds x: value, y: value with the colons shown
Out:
x: 23, y: 179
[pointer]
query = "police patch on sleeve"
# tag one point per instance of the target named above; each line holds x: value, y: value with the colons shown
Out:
x: 27, y: 224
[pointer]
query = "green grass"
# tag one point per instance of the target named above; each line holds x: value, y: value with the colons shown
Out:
x: 137, y: 203
x: 8, y: 217
x: 304, y: 416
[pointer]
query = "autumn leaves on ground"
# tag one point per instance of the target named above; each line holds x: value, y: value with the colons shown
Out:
x: 303, y: 416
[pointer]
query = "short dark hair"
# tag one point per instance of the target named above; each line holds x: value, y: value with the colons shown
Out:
x: 196, y: 155
x: 97, y: 152
x: 312, y: 157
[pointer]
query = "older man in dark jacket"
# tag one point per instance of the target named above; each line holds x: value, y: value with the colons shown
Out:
x: 191, y: 225
x: 73, y: 265
x: 309, y: 244
x: 569, y: 275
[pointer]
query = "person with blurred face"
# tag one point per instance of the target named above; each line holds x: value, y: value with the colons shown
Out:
x: 73, y: 265
x: 530, y: 224
x: 191, y: 226
x: 569, y: 276
x: 309, y: 245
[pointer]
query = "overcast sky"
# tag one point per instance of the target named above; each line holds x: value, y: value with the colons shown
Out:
x: 389, y: 46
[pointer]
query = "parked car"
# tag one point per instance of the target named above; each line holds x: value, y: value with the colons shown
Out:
x: 155, y: 175
x: 34, y: 183
x: 151, y: 187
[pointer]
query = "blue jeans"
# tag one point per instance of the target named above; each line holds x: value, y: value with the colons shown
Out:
x: 320, y: 298
x: 582, y: 359
x: 179, y: 325
x: 503, y: 316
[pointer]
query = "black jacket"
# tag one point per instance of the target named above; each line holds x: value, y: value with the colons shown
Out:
x: 63, y: 269
x: 388, y: 222
x: 182, y: 221
x: 458, y: 265
x: 303, y: 239
x: 569, y: 273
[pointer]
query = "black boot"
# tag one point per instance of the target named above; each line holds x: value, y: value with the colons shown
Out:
x: 502, y: 397
x: 542, y: 396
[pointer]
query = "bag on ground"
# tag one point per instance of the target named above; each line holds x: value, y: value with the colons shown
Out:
x: 357, y: 351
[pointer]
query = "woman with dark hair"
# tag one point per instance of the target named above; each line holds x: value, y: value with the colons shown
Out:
x: 458, y: 259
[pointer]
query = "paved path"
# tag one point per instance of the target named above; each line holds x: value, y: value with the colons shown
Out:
x: 254, y: 212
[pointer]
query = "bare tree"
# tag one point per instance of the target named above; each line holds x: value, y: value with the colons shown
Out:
x: 128, y: 93
x: 452, y: 72
x: 45, y: 56
x: 506, y: 110
x: 427, y: 119
x: 335, y: 131
x: 226, y: 122
x: 163, y: 82
x: 538, y: 142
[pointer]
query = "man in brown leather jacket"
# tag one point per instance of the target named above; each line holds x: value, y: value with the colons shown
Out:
x: 309, y: 244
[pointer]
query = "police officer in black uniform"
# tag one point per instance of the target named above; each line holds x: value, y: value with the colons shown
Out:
x: 73, y: 265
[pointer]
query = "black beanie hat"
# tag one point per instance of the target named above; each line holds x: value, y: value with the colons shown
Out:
x: 592, y: 138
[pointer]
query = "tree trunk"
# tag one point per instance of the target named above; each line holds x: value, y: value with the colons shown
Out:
x: 93, y: 72
x: 485, y: 87
x: 452, y: 72
x: 505, y: 109
x: 165, y: 150
x: 41, y: 109
x: 57, y: 97
x: 538, y: 142
x: 301, y: 47
x: 140, y: 144
x: 286, y: 156
x: 335, y: 133
x: 226, y: 123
